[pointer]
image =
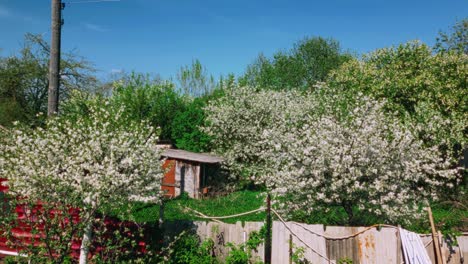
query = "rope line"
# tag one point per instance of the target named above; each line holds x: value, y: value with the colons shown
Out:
x: 201, y: 215
x: 343, y: 237
x: 294, y: 234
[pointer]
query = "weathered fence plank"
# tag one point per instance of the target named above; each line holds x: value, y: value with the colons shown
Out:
x: 372, y: 246
x: 220, y: 233
x: 463, y: 245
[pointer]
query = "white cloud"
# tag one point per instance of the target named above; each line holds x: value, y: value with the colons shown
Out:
x: 95, y: 27
x: 116, y: 71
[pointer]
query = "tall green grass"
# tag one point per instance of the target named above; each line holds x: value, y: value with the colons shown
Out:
x: 448, y: 218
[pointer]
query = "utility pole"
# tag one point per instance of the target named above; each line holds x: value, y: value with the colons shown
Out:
x: 54, y: 64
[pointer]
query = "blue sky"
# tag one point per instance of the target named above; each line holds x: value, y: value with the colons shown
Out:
x: 159, y: 36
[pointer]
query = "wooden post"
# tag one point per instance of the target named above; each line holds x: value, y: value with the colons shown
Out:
x: 291, y: 245
x: 54, y: 64
x: 435, y: 238
x: 268, y: 231
x: 442, y: 249
x: 161, y: 214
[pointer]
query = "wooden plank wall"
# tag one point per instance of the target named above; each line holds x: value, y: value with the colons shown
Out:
x: 220, y: 233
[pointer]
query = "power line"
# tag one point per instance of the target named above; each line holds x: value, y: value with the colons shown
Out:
x: 92, y: 1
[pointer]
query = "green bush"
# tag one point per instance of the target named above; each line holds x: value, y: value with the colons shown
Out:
x: 186, y: 127
x: 151, y: 100
x: 189, y: 249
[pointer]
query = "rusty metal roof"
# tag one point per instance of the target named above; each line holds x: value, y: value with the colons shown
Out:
x: 187, y: 155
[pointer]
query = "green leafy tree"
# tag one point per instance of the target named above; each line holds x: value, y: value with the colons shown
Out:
x: 317, y: 57
x: 24, y: 80
x: 455, y: 40
x: 186, y: 128
x: 308, y: 62
x: 187, y: 125
x: 153, y: 100
x: 428, y: 91
x: 194, y: 80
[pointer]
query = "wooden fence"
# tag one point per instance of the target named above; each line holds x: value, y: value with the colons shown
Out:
x: 371, y: 246
x: 220, y: 233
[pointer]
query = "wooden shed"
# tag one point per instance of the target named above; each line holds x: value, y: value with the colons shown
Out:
x: 193, y: 173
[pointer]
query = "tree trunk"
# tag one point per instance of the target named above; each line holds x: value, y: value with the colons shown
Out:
x: 349, y: 211
x: 85, y: 243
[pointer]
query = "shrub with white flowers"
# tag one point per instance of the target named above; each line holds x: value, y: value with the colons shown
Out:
x: 96, y: 162
x: 316, y: 150
x: 425, y: 88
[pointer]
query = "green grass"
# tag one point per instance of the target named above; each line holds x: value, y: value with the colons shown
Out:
x: 233, y: 203
x: 448, y: 218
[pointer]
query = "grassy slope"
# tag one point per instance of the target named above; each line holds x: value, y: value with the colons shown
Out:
x: 234, y: 203
x: 446, y: 217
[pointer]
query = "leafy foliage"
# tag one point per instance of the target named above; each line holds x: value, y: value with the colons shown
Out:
x: 427, y: 91
x: 407, y: 76
x: 149, y: 100
x: 307, y: 63
x: 95, y: 163
x: 24, y: 81
x: 187, y: 123
x: 241, y: 254
x: 455, y: 40
x: 194, y: 80
x: 189, y: 249
x: 319, y: 150
x: 186, y: 128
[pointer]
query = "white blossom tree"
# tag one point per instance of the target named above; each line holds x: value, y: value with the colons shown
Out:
x: 318, y: 150
x: 96, y: 162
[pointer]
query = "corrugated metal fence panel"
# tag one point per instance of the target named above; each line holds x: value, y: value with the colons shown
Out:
x: 377, y: 245
x: 280, y: 243
x: 413, y: 248
x: 343, y: 248
x: 372, y: 246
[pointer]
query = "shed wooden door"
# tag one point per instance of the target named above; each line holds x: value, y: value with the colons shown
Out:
x: 168, y: 183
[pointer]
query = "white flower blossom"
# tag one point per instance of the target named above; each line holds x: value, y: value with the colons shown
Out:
x: 320, y: 150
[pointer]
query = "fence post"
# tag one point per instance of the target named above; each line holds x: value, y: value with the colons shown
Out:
x: 291, y: 245
x: 161, y: 214
x: 435, y: 238
x: 268, y: 231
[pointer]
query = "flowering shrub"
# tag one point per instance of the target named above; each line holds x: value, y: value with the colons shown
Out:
x: 426, y: 89
x: 319, y: 150
x: 96, y: 162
